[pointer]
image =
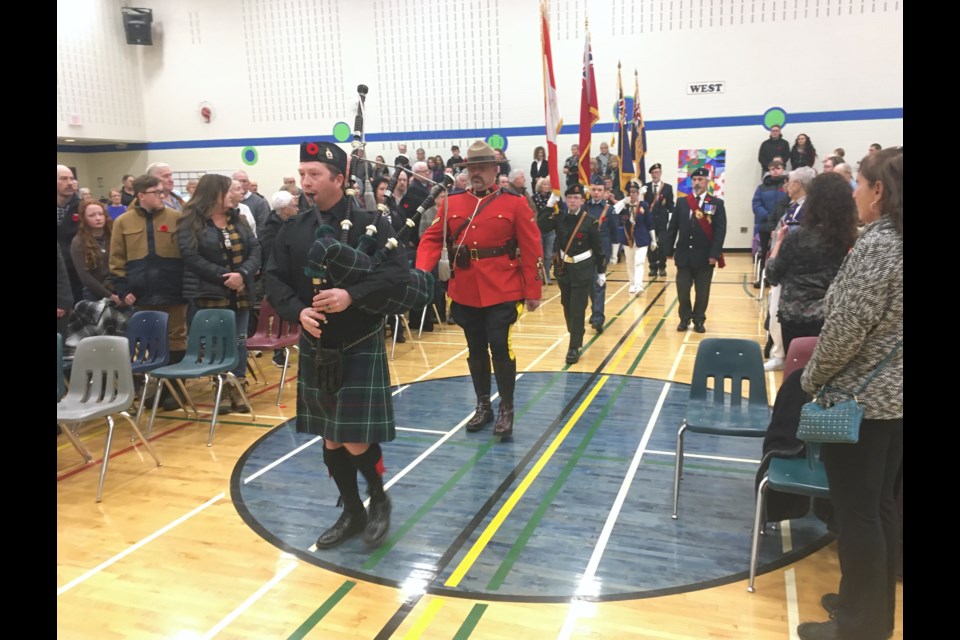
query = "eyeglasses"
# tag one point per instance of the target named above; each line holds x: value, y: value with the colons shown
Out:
x: 159, y: 192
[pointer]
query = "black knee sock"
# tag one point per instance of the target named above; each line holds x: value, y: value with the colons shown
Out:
x: 341, y: 468
x: 370, y: 465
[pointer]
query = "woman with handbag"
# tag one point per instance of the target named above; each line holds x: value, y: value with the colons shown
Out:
x: 221, y: 256
x: 860, y: 351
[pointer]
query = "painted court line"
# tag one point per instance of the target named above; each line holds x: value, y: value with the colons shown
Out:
x: 676, y: 363
x: 282, y: 459
x: 416, y: 631
x: 131, y: 549
x: 433, y: 431
x: 703, y: 456
x: 233, y: 615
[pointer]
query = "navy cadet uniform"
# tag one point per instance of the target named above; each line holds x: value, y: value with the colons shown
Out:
x: 361, y: 409
x: 662, y: 209
x: 695, y: 235
x: 606, y: 222
x: 579, y: 267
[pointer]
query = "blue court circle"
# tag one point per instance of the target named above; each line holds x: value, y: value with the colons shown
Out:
x: 541, y: 550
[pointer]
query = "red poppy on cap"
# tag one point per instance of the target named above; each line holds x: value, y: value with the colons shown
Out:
x: 313, y: 149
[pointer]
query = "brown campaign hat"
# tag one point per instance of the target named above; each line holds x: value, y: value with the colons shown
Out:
x: 480, y: 153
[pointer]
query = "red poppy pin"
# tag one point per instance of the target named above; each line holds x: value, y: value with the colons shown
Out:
x: 313, y: 149
x: 579, y: 236
x: 76, y: 217
x: 163, y: 227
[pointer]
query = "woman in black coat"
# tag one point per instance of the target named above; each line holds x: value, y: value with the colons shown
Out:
x: 540, y: 167
x: 803, y: 153
x: 221, y: 256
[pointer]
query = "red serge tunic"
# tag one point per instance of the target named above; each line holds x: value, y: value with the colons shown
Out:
x: 487, y: 281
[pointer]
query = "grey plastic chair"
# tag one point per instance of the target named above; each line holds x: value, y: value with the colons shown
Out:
x: 101, y: 385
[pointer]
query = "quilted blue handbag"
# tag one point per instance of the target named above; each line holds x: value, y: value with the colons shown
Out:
x: 838, y: 423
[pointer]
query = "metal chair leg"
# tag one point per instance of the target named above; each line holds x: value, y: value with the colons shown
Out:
x: 146, y: 442
x: 396, y: 328
x: 156, y: 403
x: 283, y: 374
x: 258, y: 375
x: 75, y: 441
x: 755, y: 545
x: 243, y: 393
x: 106, y: 457
x: 678, y: 467
x: 187, y: 399
x: 423, y: 316
x: 216, y: 410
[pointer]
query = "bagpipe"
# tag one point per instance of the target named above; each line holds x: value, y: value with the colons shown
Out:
x: 333, y: 262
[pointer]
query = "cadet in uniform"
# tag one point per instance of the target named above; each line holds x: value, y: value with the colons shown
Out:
x: 696, y: 234
x: 493, y: 244
x: 579, y: 258
x: 659, y: 195
x: 606, y: 222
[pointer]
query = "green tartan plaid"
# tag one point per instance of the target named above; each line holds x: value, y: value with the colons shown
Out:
x: 362, y: 410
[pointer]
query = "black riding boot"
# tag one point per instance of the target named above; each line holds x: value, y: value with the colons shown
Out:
x: 354, y: 517
x: 506, y: 372
x: 370, y: 465
x: 480, y: 373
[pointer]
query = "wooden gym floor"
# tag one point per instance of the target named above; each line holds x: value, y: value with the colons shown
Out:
x: 563, y: 532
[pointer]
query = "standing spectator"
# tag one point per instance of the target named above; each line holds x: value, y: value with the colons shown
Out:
x: 127, y: 195
x: 171, y: 199
x: 603, y: 158
x: 874, y: 148
x: 90, y: 252
x: 773, y: 147
x: 571, y: 166
x: 613, y: 173
x: 454, y: 159
x: 861, y: 346
x: 85, y: 195
x: 191, y: 189
x: 803, y: 153
x: 380, y: 169
x: 540, y: 167
x: 258, y: 206
x: 546, y: 206
x: 438, y: 169
x: 806, y: 261
x: 115, y: 209
x: 829, y: 163
x: 503, y: 167
x: 840, y: 153
x: 518, y: 185
x: 602, y: 214
x: 64, y: 294
x: 145, y: 265
x: 221, y: 256
x: 67, y: 222
x: 770, y: 193
x: 845, y: 170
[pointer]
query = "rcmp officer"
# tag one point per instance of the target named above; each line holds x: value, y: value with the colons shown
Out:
x: 493, y: 244
x: 358, y: 415
x: 659, y: 195
x: 604, y: 218
x: 695, y: 241
x: 580, y: 263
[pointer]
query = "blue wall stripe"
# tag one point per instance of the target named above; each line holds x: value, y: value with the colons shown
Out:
x: 605, y: 127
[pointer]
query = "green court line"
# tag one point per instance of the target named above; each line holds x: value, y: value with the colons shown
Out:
x: 219, y: 421
x: 324, y: 609
x: 471, y: 622
x: 547, y: 501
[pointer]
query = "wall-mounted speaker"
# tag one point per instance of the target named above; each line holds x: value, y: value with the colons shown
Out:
x: 137, y: 24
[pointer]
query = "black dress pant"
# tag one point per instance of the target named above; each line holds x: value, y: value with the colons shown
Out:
x: 658, y: 258
x: 699, y: 278
x: 862, y: 479
x: 575, y: 288
x: 487, y: 328
x: 790, y: 330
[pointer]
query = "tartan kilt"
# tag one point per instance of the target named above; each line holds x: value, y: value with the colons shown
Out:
x: 362, y: 410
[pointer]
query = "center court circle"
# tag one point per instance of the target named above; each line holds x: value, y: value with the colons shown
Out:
x: 542, y: 545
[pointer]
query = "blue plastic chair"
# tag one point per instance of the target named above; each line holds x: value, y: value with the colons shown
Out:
x: 723, y: 359
x: 800, y: 476
x: 149, y: 350
x: 211, y: 351
x: 101, y: 384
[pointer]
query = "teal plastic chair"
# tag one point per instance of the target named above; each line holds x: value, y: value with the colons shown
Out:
x: 211, y: 351
x: 101, y: 384
x: 715, y: 412
x: 800, y: 476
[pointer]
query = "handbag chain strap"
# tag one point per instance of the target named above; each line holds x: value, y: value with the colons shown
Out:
x: 873, y: 374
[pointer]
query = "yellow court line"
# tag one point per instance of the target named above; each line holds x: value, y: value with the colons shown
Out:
x: 421, y: 625
x: 492, y: 528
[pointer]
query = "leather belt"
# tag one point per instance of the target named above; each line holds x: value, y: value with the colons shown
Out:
x: 580, y: 257
x: 493, y: 252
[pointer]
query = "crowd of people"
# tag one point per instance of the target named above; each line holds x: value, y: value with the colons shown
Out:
x: 830, y: 245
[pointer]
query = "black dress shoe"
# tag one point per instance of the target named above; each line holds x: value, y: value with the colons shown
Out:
x: 597, y: 326
x: 684, y: 324
x: 652, y: 273
x: 573, y: 356
x: 698, y: 327
x: 378, y: 522
x: 831, y: 603
x: 829, y: 630
x: 169, y: 403
x: 349, y: 525
x: 401, y: 339
x: 757, y: 284
x: 663, y: 272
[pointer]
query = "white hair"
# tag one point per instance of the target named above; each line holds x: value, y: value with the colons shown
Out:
x: 238, y: 172
x: 280, y: 199
x: 844, y: 169
x: 155, y: 168
x: 419, y: 165
x: 515, y: 173
x: 803, y: 175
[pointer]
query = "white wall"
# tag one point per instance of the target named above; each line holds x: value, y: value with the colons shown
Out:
x: 289, y: 69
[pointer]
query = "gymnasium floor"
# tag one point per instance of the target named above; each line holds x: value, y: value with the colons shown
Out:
x: 562, y: 532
